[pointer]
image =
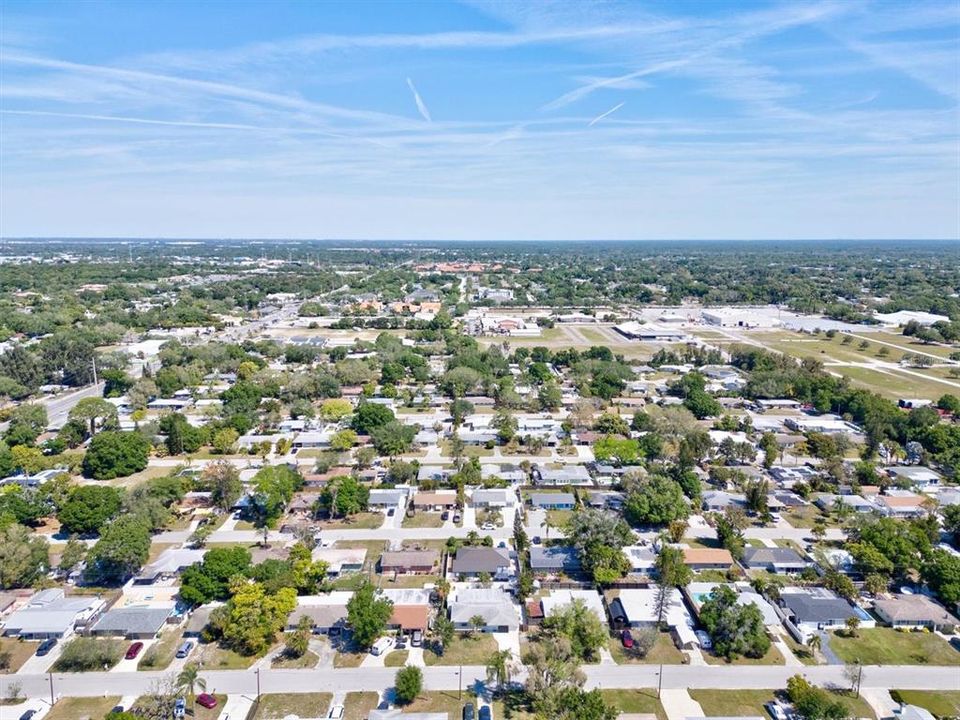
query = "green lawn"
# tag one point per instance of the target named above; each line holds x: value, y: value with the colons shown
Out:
x: 159, y: 655
x: 274, y: 707
x: 357, y: 705
x: 423, y: 520
x: 733, y: 703
x: 895, y: 384
x: 886, y: 646
x: 663, y: 651
x: 307, y: 660
x: 463, y: 650
x: 92, y: 708
x: 635, y: 701
x: 773, y: 657
x: 360, y: 521
x: 439, y: 702
x: 111, y: 648
x: 802, y: 652
x: 20, y: 651
x: 349, y: 659
x: 213, y: 657
x: 396, y: 658
x: 942, y: 703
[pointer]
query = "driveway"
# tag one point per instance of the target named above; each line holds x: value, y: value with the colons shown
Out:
x: 509, y: 641
x: 37, y: 664
x: 881, y: 702
x: 131, y: 665
x: 678, y: 705
x: 237, y: 707
x: 470, y: 518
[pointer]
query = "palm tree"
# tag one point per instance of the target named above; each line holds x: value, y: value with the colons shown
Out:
x: 443, y: 589
x: 814, y: 643
x: 546, y: 525
x: 498, y: 668
x: 189, y: 679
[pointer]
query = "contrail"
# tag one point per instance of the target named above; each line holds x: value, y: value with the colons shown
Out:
x: 421, y: 106
x: 611, y: 111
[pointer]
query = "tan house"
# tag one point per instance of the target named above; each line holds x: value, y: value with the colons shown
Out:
x: 707, y: 558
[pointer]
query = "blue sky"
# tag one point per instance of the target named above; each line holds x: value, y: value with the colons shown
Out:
x: 487, y: 120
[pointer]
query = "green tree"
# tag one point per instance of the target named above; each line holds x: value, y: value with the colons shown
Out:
x: 343, y: 440
x: 122, y: 549
x: 25, y: 424
x: 735, y: 629
x: 335, y: 409
x: 581, y: 626
x: 298, y: 642
x: 408, y: 683
x: 370, y: 416
x: 393, y: 438
x: 223, y: 480
x: 94, y: 411
x: 24, y: 557
x: 209, y: 579
x: 254, y: 617
x: 88, y: 508
x: 657, y: 501
x: 672, y: 573
x: 499, y: 667
x: 188, y: 680
x: 113, y: 454
x: 367, y: 614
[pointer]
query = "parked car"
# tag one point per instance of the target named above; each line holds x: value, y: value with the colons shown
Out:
x: 536, y: 540
x: 206, y: 700
x: 381, y: 646
x: 457, y: 517
x: 184, y: 649
x: 776, y: 711
x: 401, y: 644
x: 336, y: 712
x: 384, y: 705
x: 626, y: 639
x: 485, y: 713
x: 417, y: 638
x: 391, y: 512
x: 46, y: 646
x: 445, y: 515
x: 28, y: 715
x: 179, y: 708
x: 468, y: 713
x: 488, y: 526
x: 134, y: 650
x: 705, y: 642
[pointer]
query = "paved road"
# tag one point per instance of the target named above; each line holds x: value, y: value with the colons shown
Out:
x: 59, y: 406
x: 919, y: 677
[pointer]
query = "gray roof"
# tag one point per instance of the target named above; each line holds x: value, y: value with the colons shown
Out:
x: 323, y: 616
x: 568, y: 473
x: 472, y: 560
x: 554, y: 558
x: 541, y: 499
x: 811, y: 609
x: 408, y: 558
x: 772, y: 556
x: 132, y: 621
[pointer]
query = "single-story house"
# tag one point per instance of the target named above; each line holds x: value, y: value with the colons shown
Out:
x: 916, y: 475
x: 326, y: 612
x: 553, y: 501
x: 566, y: 475
x: 643, y: 559
x: 497, y: 609
x: 386, y: 498
x: 913, y: 611
x: 812, y: 609
x: 699, y: 592
x: 707, y: 558
x: 52, y: 614
x: 554, y: 559
x: 493, y: 497
x: 434, y: 500
x: 473, y: 561
x: 561, y: 598
x: 408, y: 618
x: 777, y: 560
x: 312, y: 439
x: 133, y: 622
x: 198, y: 619
x: 637, y: 607
x: 504, y: 471
x: 853, y: 502
x: 720, y: 500
x: 436, y: 473
x: 169, y: 564
x: 409, y: 561
x: 340, y: 560
x: 901, y: 505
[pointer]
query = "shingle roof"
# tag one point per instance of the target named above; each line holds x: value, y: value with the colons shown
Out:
x: 133, y: 620
x: 554, y: 558
x: 479, y: 559
x: 771, y: 556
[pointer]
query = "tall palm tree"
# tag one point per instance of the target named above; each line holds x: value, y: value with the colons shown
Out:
x: 546, y: 525
x: 498, y: 668
x: 815, y: 643
x: 189, y: 679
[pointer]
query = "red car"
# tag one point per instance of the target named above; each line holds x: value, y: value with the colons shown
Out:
x: 626, y: 638
x: 206, y: 700
x: 134, y: 650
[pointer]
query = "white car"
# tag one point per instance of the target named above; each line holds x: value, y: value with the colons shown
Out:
x: 336, y: 712
x: 488, y: 526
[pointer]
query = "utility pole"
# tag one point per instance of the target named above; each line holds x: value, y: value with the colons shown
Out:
x: 659, y: 681
x: 50, y: 676
x: 460, y: 689
x: 95, y: 371
x: 257, y: 673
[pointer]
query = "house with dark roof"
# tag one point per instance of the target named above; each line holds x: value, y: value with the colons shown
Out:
x: 134, y: 622
x: 554, y: 559
x: 409, y: 561
x: 776, y: 560
x: 471, y: 562
x: 812, y: 609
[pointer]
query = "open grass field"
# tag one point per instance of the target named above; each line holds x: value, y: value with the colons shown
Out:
x: 92, y: 708
x: 275, y: 707
x: 773, y: 657
x: 743, y: 703
x: 464, y: 650
x: 895, y: 384
x: 942, y: 703
x: 905, y: 344
x: 663, y: 651
x: 357, y: 705
x: 635, y: 701
x: 886, y: 646
x: 423, y: 520
x: 360, y: 521
x: 20, y: 651
x: 213, y: 657
x: 396, y: 658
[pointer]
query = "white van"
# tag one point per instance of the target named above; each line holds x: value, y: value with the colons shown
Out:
x: 381, y: 646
